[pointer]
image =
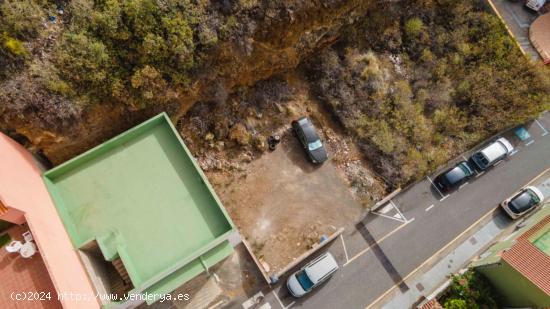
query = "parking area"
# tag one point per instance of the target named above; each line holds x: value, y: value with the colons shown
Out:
x: 518, y: 19
x: 284, y: 204
x: 387, y: 249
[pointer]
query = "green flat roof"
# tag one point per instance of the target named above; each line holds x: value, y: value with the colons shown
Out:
x: 144, y: 199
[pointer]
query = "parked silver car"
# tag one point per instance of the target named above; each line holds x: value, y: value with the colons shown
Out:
x: 312, y: 275
x: 492, y: 153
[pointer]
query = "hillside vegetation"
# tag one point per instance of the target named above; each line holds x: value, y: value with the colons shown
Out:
x: 421, y: 81
x: 415, y: 81
x: 20, y: 21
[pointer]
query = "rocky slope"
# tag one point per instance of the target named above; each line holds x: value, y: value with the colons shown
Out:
x: 270, y: 37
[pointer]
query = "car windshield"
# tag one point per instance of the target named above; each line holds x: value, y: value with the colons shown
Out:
x: 315, y: 145
x: 304, y: 280
x: 464, y: 167
x: 524, y: 201
x: 481, y: 158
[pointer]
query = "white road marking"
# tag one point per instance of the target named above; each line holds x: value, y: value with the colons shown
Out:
x: 463, y: 185
x: 516, y: 18
x: 513, y: 152
x: 398, y: 211
x: 252, y: 301
x: 344, y: 245
x: 278, y: 299
x: 378, y: 242
x: 385, y: 209
x: 498, y: 162
x: 389, y: 217
x: 430, y: 207
x: 530, y: 142
x: 479, y: 174
x: 280, y: 302
x: 463, y: 157
x: 443, y: 196
x: 543, y: 128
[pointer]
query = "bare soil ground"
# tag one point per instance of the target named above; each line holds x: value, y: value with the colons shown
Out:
x: 281, y: 203
x: 228, y: 284
x: 284, y: 204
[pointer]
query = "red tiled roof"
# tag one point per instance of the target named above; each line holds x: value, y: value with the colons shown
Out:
x: 540, y: 36
x: 527, y: 259
x: 535, y: 228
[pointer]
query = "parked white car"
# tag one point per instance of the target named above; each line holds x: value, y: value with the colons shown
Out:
x: 312, y: 275
x: 492, y: 153
x: 522, y: 202
x: 535, y: 5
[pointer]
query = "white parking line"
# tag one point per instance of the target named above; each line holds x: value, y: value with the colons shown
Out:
x: 463, y: 157
x: 463, y: 185
x: 443, y: 196
x: 513, y: 152
x: 389, y: 217
x: 480, y: 173
x: 430, y: 207
x: 280, y: 302
x: 344, y: 245
x: 398, y: 211
x: 498, y: 162
x: 516, y: 18
x: 530, y: 142
x: 543, y: 128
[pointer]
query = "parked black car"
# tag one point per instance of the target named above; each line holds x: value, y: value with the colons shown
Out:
x: 454, y: 177
x: 305, y: 131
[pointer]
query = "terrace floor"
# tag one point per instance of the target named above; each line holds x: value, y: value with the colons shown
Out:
x: 21, y: 275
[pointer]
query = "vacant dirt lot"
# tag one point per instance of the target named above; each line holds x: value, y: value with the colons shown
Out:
x: 284, y: 204
x: 281, y: 203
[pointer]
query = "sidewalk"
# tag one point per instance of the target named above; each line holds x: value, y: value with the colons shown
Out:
x: 428, y: 278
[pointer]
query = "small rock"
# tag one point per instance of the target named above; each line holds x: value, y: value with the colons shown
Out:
x: 209, y: 136
x: 240, y: 134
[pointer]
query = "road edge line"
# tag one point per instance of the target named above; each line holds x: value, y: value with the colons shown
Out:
x: 446, y: 246
x: 430, y: 258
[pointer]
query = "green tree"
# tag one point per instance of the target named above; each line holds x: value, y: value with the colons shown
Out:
x: 414, y: 26
x: 456, y: 304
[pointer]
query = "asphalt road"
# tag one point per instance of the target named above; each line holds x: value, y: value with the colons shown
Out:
x: 518, y: 19
x: 387, y: 246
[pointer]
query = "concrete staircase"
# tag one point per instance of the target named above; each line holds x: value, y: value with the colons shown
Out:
x: 123, y: 273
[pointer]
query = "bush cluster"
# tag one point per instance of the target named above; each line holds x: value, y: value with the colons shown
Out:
x: 136, y: 52
x: 469, y: 291
x: 20, y: 21
x: 421, y: 81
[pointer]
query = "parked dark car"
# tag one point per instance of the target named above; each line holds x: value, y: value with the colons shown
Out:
x: 305, y: 131
x: 454, y: 177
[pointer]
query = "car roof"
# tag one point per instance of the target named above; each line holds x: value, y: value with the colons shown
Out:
x: 308, y: 129
x: 455, y: 174
x: 320, y: 267
x: 521, y: 201
x: 494, y: 151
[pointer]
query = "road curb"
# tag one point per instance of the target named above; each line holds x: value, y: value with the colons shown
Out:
x: 385, y: 199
